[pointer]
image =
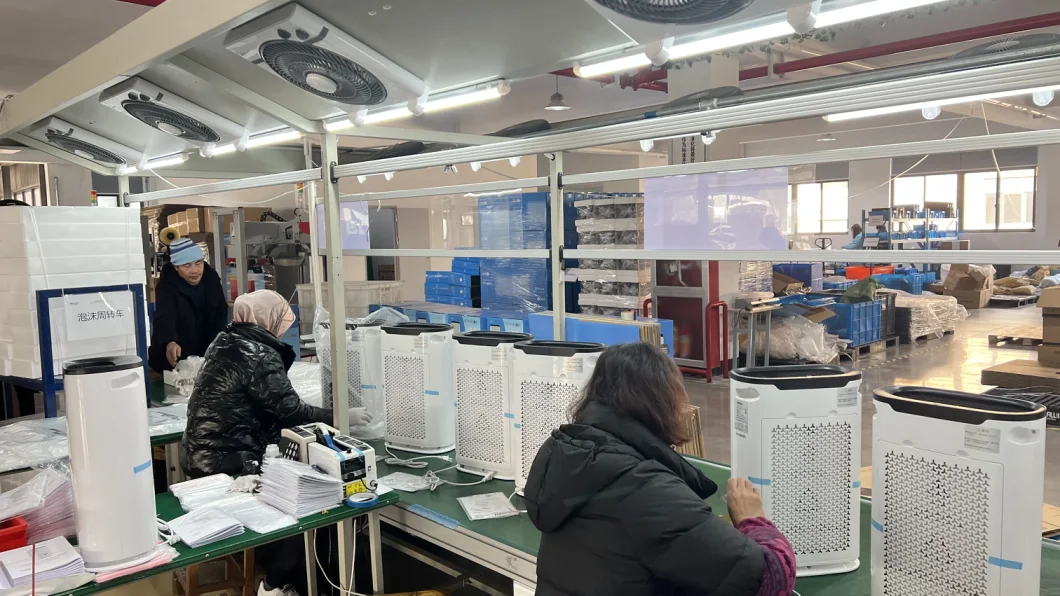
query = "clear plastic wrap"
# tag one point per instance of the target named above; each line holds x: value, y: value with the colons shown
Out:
x: 359, y: 395
x: 167, y: 420
x: 31, y: 495
x: 755, y: 276
x: 520, y: 285
x: 616, y: 221
x: 919, y: 316
x: 798, y: 338
x: 185, y: 373
x: 29, y: 443
x: 57, y: 515
x: 200, y: 492
x: 305, y: 378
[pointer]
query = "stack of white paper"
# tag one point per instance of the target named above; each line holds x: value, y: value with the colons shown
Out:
x: 54, y: 558
x: 56, y: 516
x: 297, y: 489
x: 200, y: 492
x: 205, y: 526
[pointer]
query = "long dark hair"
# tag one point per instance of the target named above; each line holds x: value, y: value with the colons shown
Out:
x: 642, y: 382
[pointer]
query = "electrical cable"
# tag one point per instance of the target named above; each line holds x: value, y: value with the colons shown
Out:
x: 515, y: 492
x: 416, y: 463
x: 433, y: 481
x: 213, y: 199
x: 353, y: 566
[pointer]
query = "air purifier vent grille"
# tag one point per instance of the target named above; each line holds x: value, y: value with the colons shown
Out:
x: 403, y: 380
x: 480, y: 395
x: 353, y: 377
x: 324, y: 355
x: 811, y: 486
x: 543, y: 408
x: 935, y: 515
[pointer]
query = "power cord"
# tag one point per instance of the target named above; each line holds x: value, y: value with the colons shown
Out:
x: 416, y: 463
x: 353, y: 567
x: 433, y: 481
x: 515, y: 492
x: 168, y: 535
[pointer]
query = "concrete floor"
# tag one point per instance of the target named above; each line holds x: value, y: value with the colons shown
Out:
x: 953, y: 362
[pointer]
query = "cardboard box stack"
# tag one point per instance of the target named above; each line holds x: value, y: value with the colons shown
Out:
x: 971, y: 285
x: 1049, y: 351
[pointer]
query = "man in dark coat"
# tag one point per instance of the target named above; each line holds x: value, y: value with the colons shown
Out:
x: 243, y: 397
x: 190, y: 307
x: 622, y: 513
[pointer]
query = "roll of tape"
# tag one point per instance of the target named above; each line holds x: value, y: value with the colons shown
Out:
x: 361, y: 500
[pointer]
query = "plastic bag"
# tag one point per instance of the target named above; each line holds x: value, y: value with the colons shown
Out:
x: 28, y: 443
x: 1050, y: 281
x: 167, y: 419
x: 798, y: 338
x: 360, y: 394
x: 305, y: 378
x: 863, y: 291
x: 186, y: 372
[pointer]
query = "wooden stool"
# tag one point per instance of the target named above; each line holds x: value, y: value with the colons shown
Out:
x: 236, y: 577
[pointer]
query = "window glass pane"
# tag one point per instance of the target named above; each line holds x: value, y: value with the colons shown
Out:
x: 980, y: 201
x: 941, y: 189
x: 790, y: 226
x: 909, y: 190
x: 36, y: 196
x: 1017, y: 200
x: 834, y: 207
x: 808, y: 208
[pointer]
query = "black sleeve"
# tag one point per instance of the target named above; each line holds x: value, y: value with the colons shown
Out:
x: 679, y: 539
x: 220, y: 313
x: 164, y: 326
x: 271, y: 391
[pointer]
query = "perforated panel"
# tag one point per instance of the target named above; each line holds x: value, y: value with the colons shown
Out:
x: 353, y: 377
x: 543, y: 408
x: 405, y: 401
x: 810, y: 492
x: 480, y: 414
x: 935, y: 516
x: 324, y: 355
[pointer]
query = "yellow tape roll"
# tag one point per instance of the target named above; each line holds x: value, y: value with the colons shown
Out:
x: 168, y: 235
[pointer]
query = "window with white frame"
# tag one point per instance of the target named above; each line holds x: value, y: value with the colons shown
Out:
x: 818, y: 207
x: 993, y: 202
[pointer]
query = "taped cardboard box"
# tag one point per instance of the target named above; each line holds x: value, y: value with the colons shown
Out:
x: 782, y: 284
x: 1049, y: 355
x: 1049, y: 301
x: 972, y: 299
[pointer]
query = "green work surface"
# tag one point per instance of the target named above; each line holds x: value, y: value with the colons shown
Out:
x: 519, y: 533
x: 169, y: 508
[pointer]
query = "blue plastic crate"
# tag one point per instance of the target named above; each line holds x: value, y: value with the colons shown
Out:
x: 858, y: 323
x: 910, y: 282
x: 810, y: 274
x: 929, y: 277
x: 465, y: 291
x: 837, y: 285
x: 437, y: 289
x: 467, y: 266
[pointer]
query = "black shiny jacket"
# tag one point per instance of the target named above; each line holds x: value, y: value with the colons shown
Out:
x: 242, y: 400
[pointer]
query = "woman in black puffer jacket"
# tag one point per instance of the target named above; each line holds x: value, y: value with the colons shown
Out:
x: 242, y: 397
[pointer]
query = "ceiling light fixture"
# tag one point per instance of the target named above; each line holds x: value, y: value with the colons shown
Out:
x: 865, y: 10
x: 165, y: 161
x: 1043, y: 97
x: 557, y: 103
x: 735, y: 39
x: 921, y: 106
x: 931, y: 112
x: 271, y: 138
x: 631, y: 62
x: 476, y: 166
x: 445, y: 101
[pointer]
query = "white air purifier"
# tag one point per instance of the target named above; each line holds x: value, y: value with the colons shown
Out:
x: 549, y: 377
x: 364, y: 373
x: 170, y: 113
x: 319, y: 58
x: 84, y: 143
x: 418, y: 387
x: 796, y: 434
x: 484, y: 368
x: 957, y: 482
x: 110, y: 459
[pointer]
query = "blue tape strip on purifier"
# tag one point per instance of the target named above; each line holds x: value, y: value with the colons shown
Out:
x: 509, y: 415
x: 367, y: 386
x: 877, y: 526
x: 760, y: 481
x: 430, y: 392
x: 856, y: 484
x: 142, y: 467
x: 1005, y: 563
x: 517, y: 425
x: 443, y: 520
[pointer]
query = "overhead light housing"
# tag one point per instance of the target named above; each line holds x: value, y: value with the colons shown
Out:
x: 605, y: 67
x: 709, y: 137
x: 735, y: 39
x: 1043, y: 97
x: 271, y: 138
x: 476, y: 166
x: 920, y: 106
x: 557, y: 103
x: 166, y: 161
x: 931, y: 112
x: 865, y: 10
x: 444, y: 101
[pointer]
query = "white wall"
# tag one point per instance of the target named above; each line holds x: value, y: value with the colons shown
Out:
x: 69, y: 185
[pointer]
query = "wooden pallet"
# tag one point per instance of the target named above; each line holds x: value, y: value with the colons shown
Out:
x: 856, y: 352
x: 926, y: 337
x: 1012, y: 301
x: 1027, y: 335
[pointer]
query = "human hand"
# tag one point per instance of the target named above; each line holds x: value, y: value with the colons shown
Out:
x: 360, y: 416
x: 743, y: 500
x: 173, y: 353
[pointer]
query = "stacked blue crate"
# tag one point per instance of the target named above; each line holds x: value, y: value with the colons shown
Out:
x: 810, y: 274
x: 453, y: 287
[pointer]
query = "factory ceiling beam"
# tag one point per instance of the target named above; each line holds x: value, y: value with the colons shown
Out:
x: 159, y: 34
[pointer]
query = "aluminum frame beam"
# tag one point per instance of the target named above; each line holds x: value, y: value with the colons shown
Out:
x: 830, y: 256
x: 542, y: 253
x: 418, y: 134
x: 159, y: 34
x: 1007, y: 77
x: 481, y: 187
x: 309, y: 175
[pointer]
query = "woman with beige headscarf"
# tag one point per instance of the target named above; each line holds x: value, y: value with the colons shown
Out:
x: 243, y: 397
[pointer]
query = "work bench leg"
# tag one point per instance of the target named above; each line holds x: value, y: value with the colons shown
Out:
x: 310, y: 563
x: 174, y: 473
x: 347, y: 556
x: 375, y: 542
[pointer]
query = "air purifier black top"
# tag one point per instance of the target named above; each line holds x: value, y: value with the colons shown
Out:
x: 491, y: 338
x: 411, y: 328
x: 351, y: 326
x: 955, y: 406
x: 105, y: 364
x: 801, y: 376
x: 549, y: 347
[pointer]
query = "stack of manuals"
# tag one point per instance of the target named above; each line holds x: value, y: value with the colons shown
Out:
x: 46, y: 502
x: 247, y: 509
x: 193, y: 494
x: 297, y: 489
x: 53, y: 559
x: 205, y: 526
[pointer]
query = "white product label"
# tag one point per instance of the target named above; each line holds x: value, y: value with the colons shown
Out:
x: 746, y: 392
x: 575, y: 365
x: 497, y: 353
x: 421, y: 342
x: 487, y: 506
x: 848, y: 397
x: 740, y: 418
x: 983, y: 439
x: 92, y: 316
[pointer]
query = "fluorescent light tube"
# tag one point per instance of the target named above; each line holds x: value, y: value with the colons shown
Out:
x: 631, y: 62
x: 864, y: 10
x: 271, y: 138
x: 155, y: 163
x: 436, y: 104
x: 916, y: 107
x: 735, y: 39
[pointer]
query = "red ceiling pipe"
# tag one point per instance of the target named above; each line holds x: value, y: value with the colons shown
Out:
x: 645, y: 79
x: 908, y: 45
